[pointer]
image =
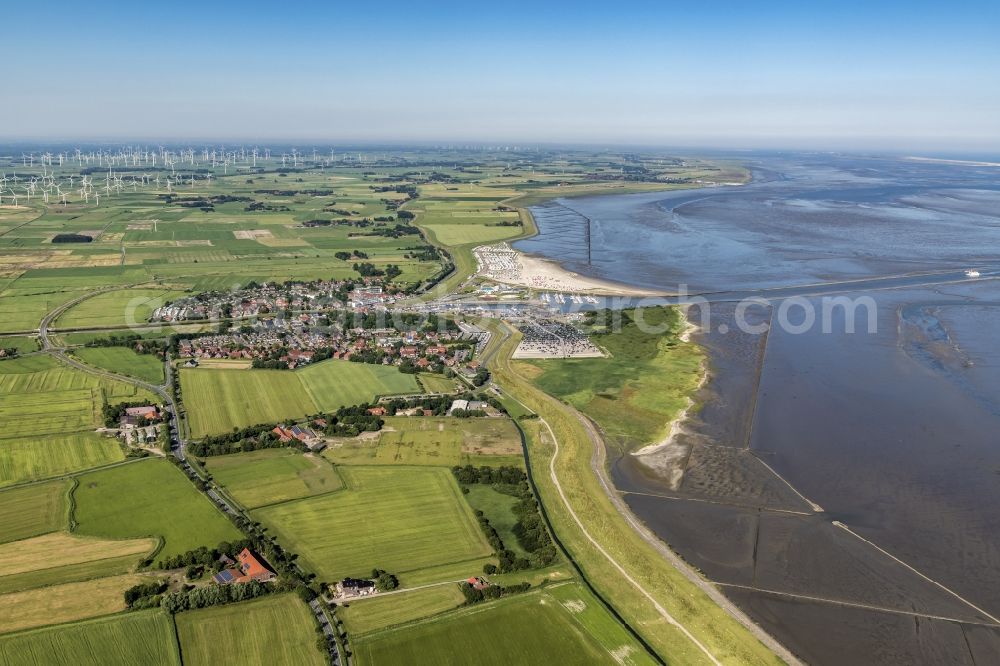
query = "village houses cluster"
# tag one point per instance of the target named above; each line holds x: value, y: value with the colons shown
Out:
x: 298, y: 346
x: 269, y: 299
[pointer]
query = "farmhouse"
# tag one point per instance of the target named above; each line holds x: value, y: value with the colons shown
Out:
x: 355, y: 587
x: 247, y: 568
x: 477, y: 583
x: 134, y: 415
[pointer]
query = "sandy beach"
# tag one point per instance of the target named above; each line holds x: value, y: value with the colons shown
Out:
x: 502, y: 263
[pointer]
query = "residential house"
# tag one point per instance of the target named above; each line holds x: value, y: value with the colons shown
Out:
x: 248, y: 567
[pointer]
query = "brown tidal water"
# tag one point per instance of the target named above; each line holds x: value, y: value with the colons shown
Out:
x: 842, y: 488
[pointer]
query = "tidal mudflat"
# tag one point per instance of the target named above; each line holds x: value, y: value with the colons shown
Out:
x: 843, y: 488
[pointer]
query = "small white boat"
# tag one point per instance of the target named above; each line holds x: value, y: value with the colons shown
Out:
x: 972, y: 273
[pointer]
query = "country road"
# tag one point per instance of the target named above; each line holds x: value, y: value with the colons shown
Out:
x: 59, y: 352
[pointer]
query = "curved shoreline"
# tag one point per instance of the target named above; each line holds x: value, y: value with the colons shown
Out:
x: 585, y: 508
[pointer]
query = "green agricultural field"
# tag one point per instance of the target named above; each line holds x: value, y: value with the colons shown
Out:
x: 272, y: 475
x: 550, y: 625
x: 67, y: 602
x: 220, y: 400
x: 364, y: 616
x: 22, y: 343
x: 334, y: 384
x: 276, y: 630
x: 434, y: 383
x: 41, y: 396
x: 149, y: 498
x: 401, y: 519
x: 23, y: 309
x: 439, y: 441
x: 61, y: 557
x: 150, y: 333
x: 34, y: 458
x: 125, y: 307
x: 470, y: 233
x: 496, y: 506
x: 635, y: 392
x: 28, y: 511
x: 144, y: 637
x: 124, y: 361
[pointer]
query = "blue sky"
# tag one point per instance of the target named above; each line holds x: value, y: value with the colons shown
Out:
x: 902, y: 75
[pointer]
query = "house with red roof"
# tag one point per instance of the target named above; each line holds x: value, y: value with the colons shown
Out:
x: 248, y: 567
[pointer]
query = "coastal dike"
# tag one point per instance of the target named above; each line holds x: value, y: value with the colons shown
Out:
x: 682, y: 617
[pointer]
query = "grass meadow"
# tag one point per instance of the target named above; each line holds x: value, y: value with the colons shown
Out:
x: 61, y: 557
x: 40, y: 396
x: 401, y: 519
x: 143, y: 637
x: 496, y: 506
x: 65, y: 603
x: 124, y: 361
x: 124, y: 307
x: 22, y: 343
x: 219, y: 400
x: 28, y: 511
x: 272, y: 475
x: 436, y: 441
x: 334, y: 384
x: 33, y: 458
x: 435, y: 383
x: 546, y: 626
x: 149, y: 498
x: 634, y: 393
x: 364, y: 616
x: 276, y: 630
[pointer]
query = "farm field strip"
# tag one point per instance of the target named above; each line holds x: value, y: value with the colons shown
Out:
x: 535, y: 627
x: 396, y: 518
x: 116, y: 308
x: 434, y: 441
x: 64, y: 603
x: 218, y: 400
x: 276, y: 630
x: 34, y: 458
x: 70, y: 573
x: 364, y: 616
x: 60, y: 549
x: 334, y: 384
x: 29, y: 511
x: 149, y: 498
x: 143, y: 637
x: 123, y: 361
x: 270, y: 476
